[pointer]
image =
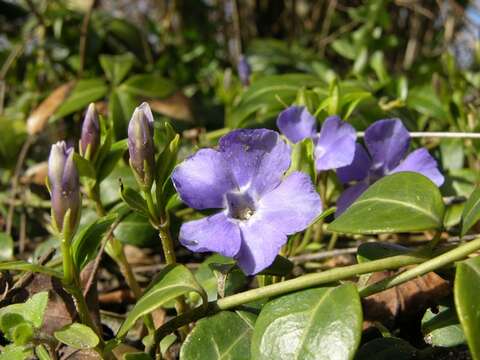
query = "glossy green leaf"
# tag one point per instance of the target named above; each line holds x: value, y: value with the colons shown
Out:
x: 172, y: 282
x: 400, y: 202
x: 266, y: 97
x: 389, y: 348
x: 466, y: 293
x: 305, y: 324
x: 86, y: 242
x: 78, y: 336
x: 442, y: 328
x: 116, y: 67
x: 42, y: 353
x: 120, y: 109
x: 234, y: 281
x: 379, y: 250
x: 134, y: 200
x: 281, y: 266
x: 425, y: 101
x: 148, y: 86
x: 135, y: 229
x: 6, y: 247
x: 32, y: 310
x: 226, y: 335
x: 471, y: 211
x: 84, y: 92
x: 21, y: 265
x: 22, y: 333
x: 15, y: 352
x: 84, y: 167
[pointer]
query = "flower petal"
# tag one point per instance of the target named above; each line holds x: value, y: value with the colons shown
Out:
x: 358, y: 169
x: 335, y: 145
x: 261, y: 243
x: 292, y: 205
x: 296, y: 123
x: 422, y: 162
x: 349, y: 196
x: 257, y: 158
x: 203, y: 179
x: 387, y: 141
x: 216, y: 233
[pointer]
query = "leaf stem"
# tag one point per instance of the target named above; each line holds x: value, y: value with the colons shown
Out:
x: 430, y: 265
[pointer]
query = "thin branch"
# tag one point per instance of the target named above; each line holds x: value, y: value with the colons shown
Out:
x: 437, y: 134
x: 83, y: 36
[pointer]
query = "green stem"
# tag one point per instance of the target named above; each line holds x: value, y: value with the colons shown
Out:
x: 167, y: 245
x: 152, y: 209
x: 68, y: 270
x: 449, y: 257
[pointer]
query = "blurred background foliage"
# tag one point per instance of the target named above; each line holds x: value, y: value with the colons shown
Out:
x: 364, y: 60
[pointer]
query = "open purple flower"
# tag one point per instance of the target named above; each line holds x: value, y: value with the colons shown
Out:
x: 259, y: 208
x: 334, y: 145
x: 387, y: 142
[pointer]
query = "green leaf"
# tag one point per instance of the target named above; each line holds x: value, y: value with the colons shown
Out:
x: 442, y: 328
x: 266, y: 97
x: 467, y: 292
x: 136, y: 356
x: 226, y: 335
x: 148, y: 86
x: 281, y: 266
x: 305, y: 324
x: 379, y: 250
x: 172, y: 282
x: 120, y: 109
x: 134, y: 200
x: 6, y: 247
x: 22, y: 333
x: 85, y: 167
x: 425, y: 101
x: 86, y: 242
x: 78, y: 336
x: 42, y: 353
x: 15, y: 352
x: 135, y: 229
x: 235, y: 280
x: 471, y: 211
x: 108, y: 163
x: 303, y: 158
x: 389, y: 348
x: 32, y: 310
x: 21, y: 265
x: 84, y: 92
x: 401, y: 202
x: 116, y: 67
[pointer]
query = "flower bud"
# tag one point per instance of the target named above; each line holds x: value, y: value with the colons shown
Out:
x: 244, y: 70
x: 64, y: 187
x: 140, y: 145
x: 90, y: 139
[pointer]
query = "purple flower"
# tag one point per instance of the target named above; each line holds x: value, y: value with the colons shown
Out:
x: 258, y: 207
x: 90, y: 138
x: 244, y: 70
x: 64, y: 186
x: 140, y: 145
x: 387, y: 142
x: 334, y: 145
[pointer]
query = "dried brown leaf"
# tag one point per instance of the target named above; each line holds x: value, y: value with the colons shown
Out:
x: 176, y: 106
x: 38, y: 119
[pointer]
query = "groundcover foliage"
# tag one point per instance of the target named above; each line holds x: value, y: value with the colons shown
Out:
x: 239, y: 180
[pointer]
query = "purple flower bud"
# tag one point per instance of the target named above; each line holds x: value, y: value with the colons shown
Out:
x: 140, y: 145
x: 64, y: 186
x: 90, y: 133
x: 244, y: 70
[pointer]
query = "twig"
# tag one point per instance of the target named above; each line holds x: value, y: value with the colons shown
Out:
x: 16, y: 174
x: 437, y: 134
x: 83, y: 37
x: 96, y: 264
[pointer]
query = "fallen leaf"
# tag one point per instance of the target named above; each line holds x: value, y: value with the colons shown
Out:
x: 39, y: 117
x: 35, y: 174
x: 176, y: 106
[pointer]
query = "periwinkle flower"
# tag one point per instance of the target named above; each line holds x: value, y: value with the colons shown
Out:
x: 258, y: 208
x: 64, y: 186
x: 387, y: 142
x: 90, y: 137
x: 334, y: 145
x: 140, y: 145
x: 244, y: 70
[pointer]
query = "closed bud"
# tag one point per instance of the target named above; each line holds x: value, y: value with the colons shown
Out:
x: 64, y: 187
x: 140, y: 145
x: 90, y: 139
x: 244, y: 70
